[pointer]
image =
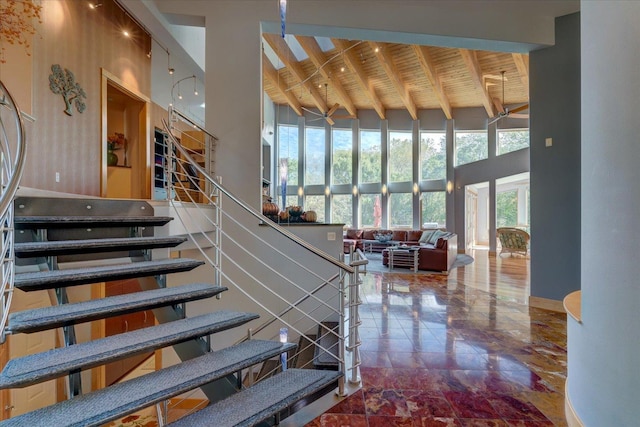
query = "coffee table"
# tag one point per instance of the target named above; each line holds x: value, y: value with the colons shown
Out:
x: 404, y: 256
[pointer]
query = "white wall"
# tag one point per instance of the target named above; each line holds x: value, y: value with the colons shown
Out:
x: 603, y: 351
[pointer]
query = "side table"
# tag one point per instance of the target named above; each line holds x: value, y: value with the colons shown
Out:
x: 404, y: 257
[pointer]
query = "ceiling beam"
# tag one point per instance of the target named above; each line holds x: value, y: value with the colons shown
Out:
x: 354, y: 65
x: 319, y: 59
x: 471, y: 61
x: 391, y: 70
x: 271, y: 74
x: 287, y: 57
x: 522, y: 64
x: 424, y: 58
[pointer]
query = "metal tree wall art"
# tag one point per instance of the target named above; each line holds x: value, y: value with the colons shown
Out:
x: 64, y: 83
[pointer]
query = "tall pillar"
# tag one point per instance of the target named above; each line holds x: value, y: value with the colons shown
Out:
x: 603, y: 350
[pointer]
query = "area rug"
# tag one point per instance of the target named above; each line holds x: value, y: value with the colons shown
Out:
x: 375, y: 264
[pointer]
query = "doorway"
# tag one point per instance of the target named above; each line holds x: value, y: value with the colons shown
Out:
x: 126, y: 118
x: 477, y: 216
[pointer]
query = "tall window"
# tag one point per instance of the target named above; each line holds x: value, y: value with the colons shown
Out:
x: 433, y: 155
x: 342, y: 155
x: 341, y: 209
x: 471, y: 147
x: 370, y: 210
x: 512, y: 139
x: 315, y: 203
x: 401, y: 210
x: 433, y: 208
x: 370, y: 156
x: 507, y: 208
x: 400, y: 157
x: 314, y: 152
x: 288, y: 153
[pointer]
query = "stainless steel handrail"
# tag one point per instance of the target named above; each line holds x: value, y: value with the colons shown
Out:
x: 14, y: 175
x: 193, y: 185
x: 252, y: 211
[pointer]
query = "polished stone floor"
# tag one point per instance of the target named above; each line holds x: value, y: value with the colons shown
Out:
x: 457, y: 350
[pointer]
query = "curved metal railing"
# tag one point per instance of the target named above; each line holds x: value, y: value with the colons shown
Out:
x: 12, y: 159
x: 243, y: 258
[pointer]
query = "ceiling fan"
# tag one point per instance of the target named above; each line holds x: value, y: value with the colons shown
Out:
x: 505, y: 111
x: 329, y: 114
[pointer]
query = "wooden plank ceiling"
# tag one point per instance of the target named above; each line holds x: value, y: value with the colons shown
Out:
x: 363, y: 75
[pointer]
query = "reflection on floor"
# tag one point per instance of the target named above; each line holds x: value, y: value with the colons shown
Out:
x: 457, y: 350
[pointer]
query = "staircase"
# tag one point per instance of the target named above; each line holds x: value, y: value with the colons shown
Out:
x: 120, y: 248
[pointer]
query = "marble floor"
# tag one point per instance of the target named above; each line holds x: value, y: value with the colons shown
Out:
x: 457, y: 350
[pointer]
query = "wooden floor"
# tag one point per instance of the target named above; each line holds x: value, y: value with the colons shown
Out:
x: 505, y: 276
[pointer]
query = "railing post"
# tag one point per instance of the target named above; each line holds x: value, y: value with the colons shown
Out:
x: 341, y: 328
x: 354, y: 323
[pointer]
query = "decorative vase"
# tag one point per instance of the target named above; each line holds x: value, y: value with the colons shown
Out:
x: 112, y: 158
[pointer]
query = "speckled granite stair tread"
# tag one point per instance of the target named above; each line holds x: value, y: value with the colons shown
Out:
x: 262, y: 400
x: 40, y: 319
x: 102, y: 406
x: 80, y: 276
x: 41, y: 367
x: 45, y: 221
x: 69, y: 247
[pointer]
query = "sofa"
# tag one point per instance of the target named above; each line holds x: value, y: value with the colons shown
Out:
x: 437, y: 253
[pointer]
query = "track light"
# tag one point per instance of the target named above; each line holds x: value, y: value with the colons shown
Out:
x: 171, y: 70
x: 195, y: 89
x: 94, y: 6
x: 125, y: 33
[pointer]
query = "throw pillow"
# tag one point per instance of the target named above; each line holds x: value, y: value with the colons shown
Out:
x: 435, y: 236
x: 426, y: 235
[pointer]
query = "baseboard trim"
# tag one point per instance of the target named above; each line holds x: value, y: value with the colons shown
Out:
x: 546, y: 304
x: 573, y: 420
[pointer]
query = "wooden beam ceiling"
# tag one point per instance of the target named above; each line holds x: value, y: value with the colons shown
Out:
x: 391, y: 70
x: 471, y: 61
x: 272, y: 75
x: 355, y: 66
x: 287, y: 57
x: 522, y: 64
x: 424, y: 58
x: 408, y: 77
x: 319, y: 59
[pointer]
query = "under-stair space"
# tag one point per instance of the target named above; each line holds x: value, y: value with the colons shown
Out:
x: 65, y: 244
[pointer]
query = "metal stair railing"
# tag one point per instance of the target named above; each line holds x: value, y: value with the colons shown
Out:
x: 12, y: 159
x: 232, y: 245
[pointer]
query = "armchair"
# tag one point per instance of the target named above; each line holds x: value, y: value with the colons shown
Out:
x: 513, y: 240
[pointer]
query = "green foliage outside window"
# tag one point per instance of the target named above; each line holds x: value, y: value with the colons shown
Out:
x: 507, y: 208
x: 370, y: 156
x: 341, y: 209
x: 342, y: 156
x: 401, y: 214
x: 315, y: 154
x: 433, y: 155
x: 434, y: 208
x: 315, y: 203
x: 400, y: 157
x: 370, y: 210
x: 288, y: 150
x: 512, y: 139
x: 471, y: 147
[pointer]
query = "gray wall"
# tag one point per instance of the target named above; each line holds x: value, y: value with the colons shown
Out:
x: 603, y: 350
x: 555, y: 171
